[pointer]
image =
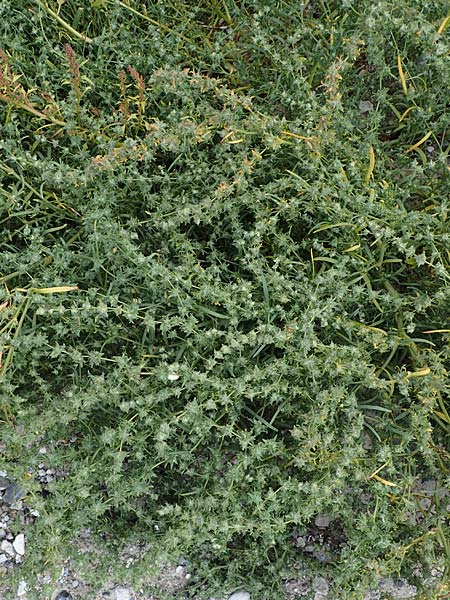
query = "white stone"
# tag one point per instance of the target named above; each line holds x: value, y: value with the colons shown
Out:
x: 19, y: 544
x: 7, y: 548
x: 173, y: 376
x: 240, y: 595
x: 121, y: 593
x: 3, y: 559
x: 22, y: 589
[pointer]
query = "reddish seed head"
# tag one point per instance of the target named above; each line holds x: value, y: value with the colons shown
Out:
x: 139, y: 81
x: 74, y: 69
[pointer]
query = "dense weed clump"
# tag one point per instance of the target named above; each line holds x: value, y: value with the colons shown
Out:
x: 225, y: 277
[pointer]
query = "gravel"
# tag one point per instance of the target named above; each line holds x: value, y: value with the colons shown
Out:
x: 322, y: 539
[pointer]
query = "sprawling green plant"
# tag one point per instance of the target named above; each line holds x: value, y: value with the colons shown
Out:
x: 225, y: 276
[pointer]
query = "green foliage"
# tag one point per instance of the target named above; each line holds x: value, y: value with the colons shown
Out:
x: 260, y: 328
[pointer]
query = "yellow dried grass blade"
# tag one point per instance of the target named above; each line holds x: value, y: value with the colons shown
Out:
x: 420, y: 142
x: 297, y: 136
x: 443, y: 25
x: 384, y: 481
x: 442, y: 416
x: 55, y: 290
x: 437, y: 331
x: 377, y: 330
x: 407, y: 111
x: 419, y: 373
x: 371, y: 165
x: 402, y: 74
x: 377, y: 471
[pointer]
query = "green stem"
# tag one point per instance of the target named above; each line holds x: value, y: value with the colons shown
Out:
x: 152, y: 21
x: 67, y: 27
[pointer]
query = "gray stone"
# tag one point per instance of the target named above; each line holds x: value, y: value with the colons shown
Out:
x: 2, y: 534
x: 399, y: 589
x: 372, y: 595
x: 323, y: 521
x: 365, y: 106
x: 4, y: 483
x: 297, y: 587
x: 13, y: 493
x: 121, y: 593
x: 19, y: 544
x: 240, y: 595
x: 3, y: 559
x: 321, y: 586
x: 63, y: 595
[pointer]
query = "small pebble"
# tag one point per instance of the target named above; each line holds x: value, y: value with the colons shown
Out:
x: 22, y: 589
x: 365, y: 106
x: 321, y: 586
x: 7, y: 548
x: 19, y: 544
x: 63, y: 595
x: 323, y: 521
x: 240, y: 595
x: 121, y: 593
